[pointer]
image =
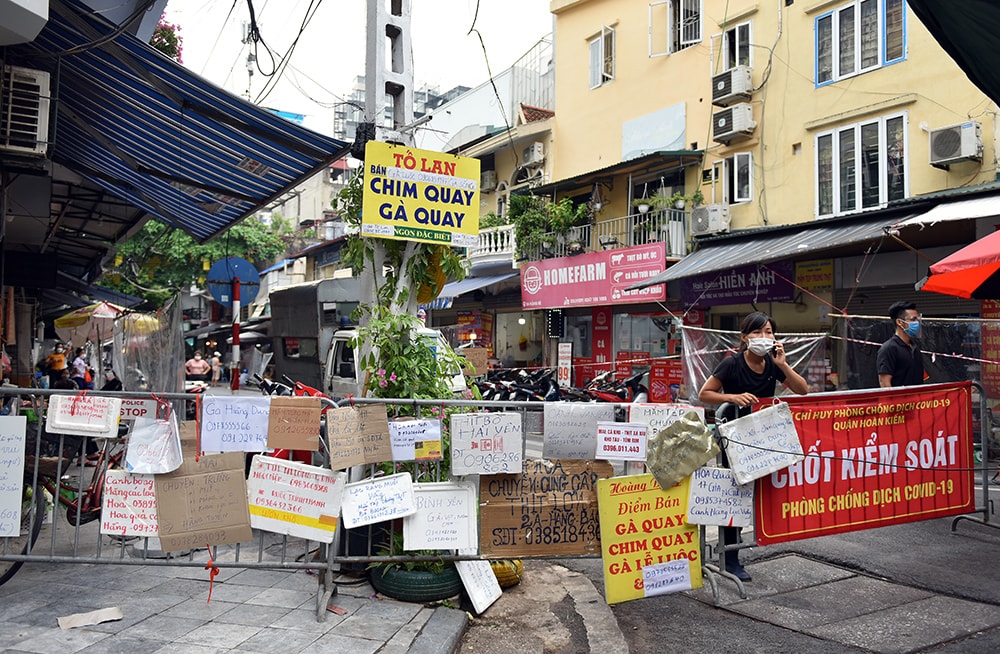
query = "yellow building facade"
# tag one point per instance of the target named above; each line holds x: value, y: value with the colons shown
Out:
x: 835, y: 117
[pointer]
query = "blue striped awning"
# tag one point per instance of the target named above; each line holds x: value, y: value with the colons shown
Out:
x: 152, y: 133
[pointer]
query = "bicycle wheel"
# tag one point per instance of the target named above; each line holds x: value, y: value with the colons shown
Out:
x: 32, y: 514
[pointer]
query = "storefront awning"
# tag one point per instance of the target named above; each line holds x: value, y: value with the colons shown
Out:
x: 656, y: 161
x: 772, y: 244
x: 469, y: 284
x: 960, y: 210
x: 152, y: 133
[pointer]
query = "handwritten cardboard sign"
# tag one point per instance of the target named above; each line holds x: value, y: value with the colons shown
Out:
x: 716, y: 499
x: 548, y: 509
x: 661, y: 416
x: 622, y: 441
x: 571, y: 429
x: 234, y: 423
x: 293, y: 423
x: 203, y: 502
x: 12, y: 443
x: 287, y: 497
x: 84, y: 415
x: 476, y: 360
x: 480, y: 583
x: 358, y: 435
x: 128, y: 504
x: 416, y: 439
x: 445, y: 518
x: 375, y: 500
x: 761, y: 443
x: 486, y: 443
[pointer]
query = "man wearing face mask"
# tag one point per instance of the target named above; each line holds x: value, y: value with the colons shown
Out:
x: 744, y: 378
x: 900, y: 361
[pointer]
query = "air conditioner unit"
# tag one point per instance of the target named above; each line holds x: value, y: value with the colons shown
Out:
x: 709, y: 219
x: 956, y: 143
x: 733, y: 123
x: 732, y: 86
x: 488, y: 180
x: 533, y: 155
x: 24, y: 110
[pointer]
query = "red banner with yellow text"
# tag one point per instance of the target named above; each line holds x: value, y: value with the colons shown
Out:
x: 873, y: 458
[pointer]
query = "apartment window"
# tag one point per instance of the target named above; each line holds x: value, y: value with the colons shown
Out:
x: 679, y: 20
x: 736, y: 46
x: 602, y: 58
x: 858, y: 37
x: 861, y: 166
x: 736, y: 176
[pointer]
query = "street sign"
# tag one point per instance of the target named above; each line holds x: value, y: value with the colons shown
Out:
x: 221, y: 276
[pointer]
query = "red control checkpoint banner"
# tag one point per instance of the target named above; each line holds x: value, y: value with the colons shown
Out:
x: 873, y: 458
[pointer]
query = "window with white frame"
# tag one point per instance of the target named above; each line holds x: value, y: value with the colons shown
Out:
x: 679, y: 20
x: 734, y: 178
x: 736, y: 46
x: 602, y: 57
x: 861, y: 166
x: 858, y: 37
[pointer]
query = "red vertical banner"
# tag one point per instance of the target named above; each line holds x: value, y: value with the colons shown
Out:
x: 602, y: 338
x: 990, y: 310
x: 873, y: 459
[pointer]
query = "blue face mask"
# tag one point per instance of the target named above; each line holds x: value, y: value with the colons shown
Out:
x: 912, y: 328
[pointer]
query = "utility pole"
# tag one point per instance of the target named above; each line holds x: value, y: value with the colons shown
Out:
x: 389, y: 73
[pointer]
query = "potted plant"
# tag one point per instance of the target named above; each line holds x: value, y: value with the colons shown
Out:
x: 413, y: 581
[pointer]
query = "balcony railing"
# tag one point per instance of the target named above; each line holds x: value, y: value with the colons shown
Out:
x: 496, y: 245
x: 669, y: 226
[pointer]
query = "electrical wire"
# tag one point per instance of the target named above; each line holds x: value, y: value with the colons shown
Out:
x: 114, y: 34
x: 311, y: 11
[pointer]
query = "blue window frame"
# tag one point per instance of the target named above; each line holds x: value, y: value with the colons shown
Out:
x: 858, y: 37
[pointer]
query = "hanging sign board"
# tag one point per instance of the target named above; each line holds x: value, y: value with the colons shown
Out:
x: 379, y: 499
x: 128, y: 504
x: 358, y: 435
x: 445, y: 518
x: 287, y: 497
x: 12, y: 442
x: 761, y: 443
x: 716, y: 499
x: 420, y: 195
x: 571, y: 429
x: 416, y: 439
x: 234, y: 423
x: 486, y: 443
x: 84, y: 415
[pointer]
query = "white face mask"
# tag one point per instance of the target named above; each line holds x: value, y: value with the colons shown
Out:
x: 760, y: 346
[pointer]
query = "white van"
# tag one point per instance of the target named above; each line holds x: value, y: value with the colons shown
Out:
x: 343, y: 375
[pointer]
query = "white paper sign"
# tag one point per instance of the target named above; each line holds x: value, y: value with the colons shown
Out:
x: 714, y: 498
x: 128, y: 505
x: 379, y: 499
x: 416, y: 440
x: 661, y: 416
x: 287, y: 497
x: 761, y: 443
x: 12, y: 446
x: 664, y: 578
x: 480, y: 583
x: 486, y: 443
x: 84, y: 415
x: 445, y: 517
x: 234, y: 423
x: 154, y: 446
x: 622, y: 441
x: 571, y: 428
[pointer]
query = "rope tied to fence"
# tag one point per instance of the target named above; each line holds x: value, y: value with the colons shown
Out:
x: 213, y: 572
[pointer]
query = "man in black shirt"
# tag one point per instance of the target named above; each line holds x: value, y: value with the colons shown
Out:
x: 900, y: 361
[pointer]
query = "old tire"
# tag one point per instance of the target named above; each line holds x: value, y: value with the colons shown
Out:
x: 507, y: 571
x: 416, y: 585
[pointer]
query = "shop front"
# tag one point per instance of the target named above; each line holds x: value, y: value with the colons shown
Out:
x: 595, y: 325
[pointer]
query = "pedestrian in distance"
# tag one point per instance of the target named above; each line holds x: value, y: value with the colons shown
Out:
x: 216, y: 368
x: 80, y: 370
x: 743, y: 378
x: 196, y: 368
x: 65, y: 382
x: 55, y: 363
x: 899, y: 361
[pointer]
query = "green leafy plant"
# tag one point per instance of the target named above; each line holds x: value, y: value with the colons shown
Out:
x: 393, y: 546
x: 537, y: 221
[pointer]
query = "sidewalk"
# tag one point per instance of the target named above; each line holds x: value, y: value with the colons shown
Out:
x: 165, y: 609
